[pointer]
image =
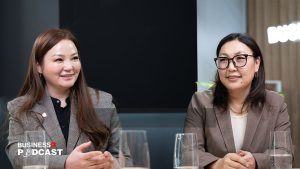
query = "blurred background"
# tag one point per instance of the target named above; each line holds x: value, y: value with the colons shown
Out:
x: 149, y: 54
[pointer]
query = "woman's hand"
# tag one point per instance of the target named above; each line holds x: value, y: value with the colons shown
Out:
x: 78, y: 159
x: 106, y: 161
x: 110, y: 160
x: 230, y: 161
x: 249, y: 158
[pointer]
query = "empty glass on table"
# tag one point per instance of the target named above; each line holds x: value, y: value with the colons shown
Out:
x: 185, y: 151
x: 281, y: 150
x: 34, y: 150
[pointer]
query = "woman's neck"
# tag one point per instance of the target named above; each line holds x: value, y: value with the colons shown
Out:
x: 62, y: 95
x: 237, y: 101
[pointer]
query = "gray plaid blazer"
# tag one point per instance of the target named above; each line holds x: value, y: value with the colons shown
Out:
x: 214, y: 129
x: 36, y: 120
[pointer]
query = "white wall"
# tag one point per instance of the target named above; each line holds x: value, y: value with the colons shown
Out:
x: 216, y: 19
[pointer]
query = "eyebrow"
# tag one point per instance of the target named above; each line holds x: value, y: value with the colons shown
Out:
x: 60, y: 55
x: 237, y: 53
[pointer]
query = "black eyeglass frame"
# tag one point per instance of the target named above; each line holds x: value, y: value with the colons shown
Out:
x: 232, y: 59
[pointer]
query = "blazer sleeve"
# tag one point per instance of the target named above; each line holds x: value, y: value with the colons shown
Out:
x: 114, y: 125
x: 115, y: 128
x: 114, y: 143
x: 195, y: 123
x: 16, y: 135
x: 282, y: 123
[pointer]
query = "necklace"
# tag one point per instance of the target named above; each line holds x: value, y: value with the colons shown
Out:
x: 238, y: 112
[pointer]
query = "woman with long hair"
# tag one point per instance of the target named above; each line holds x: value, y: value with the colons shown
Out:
x: 80, y: 121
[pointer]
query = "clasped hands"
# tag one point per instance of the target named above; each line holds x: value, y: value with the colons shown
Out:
x: 78, y: 159
x: 240, y: 160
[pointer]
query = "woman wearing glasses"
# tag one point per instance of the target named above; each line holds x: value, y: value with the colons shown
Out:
x: 233, y: 121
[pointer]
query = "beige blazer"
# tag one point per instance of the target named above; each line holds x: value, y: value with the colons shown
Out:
x: 214, y: 129
x: 34, y: 120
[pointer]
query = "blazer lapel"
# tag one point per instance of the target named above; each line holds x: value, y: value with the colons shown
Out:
x: 224, y: 122
x: 47, y: 116
x: 74, y: 131
x: 253, y: 120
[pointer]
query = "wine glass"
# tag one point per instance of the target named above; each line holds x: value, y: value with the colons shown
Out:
x: 133, y: 152
x: 34, y: 150
x: 281, y: 150
x: 185, y: 151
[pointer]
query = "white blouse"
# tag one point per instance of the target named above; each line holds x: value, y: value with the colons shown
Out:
x: 238, y: 123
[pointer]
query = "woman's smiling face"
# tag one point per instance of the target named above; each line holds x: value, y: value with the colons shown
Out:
x: 238, y: 78
x: 61, y: 66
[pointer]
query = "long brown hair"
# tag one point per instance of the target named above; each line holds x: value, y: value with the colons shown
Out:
x: 34, y: 87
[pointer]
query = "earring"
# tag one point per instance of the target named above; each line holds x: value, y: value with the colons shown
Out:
x: 256, y: 75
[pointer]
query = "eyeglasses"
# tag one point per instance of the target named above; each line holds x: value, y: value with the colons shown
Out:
x: 239, y: 60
